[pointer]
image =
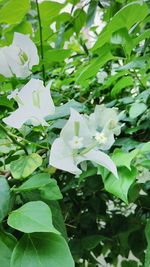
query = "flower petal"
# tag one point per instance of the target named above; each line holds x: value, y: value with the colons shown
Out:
x: 46, y: 101
x: 61, y: 157
x: 4, y: 67
x: 68, y: 132
x: 104, y: 115
x: 25, y: 94
x: 17, y: 118
x: 101, y: 159
x: 24, y: 42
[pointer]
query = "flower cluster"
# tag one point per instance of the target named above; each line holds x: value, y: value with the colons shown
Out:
x: 83, y: 138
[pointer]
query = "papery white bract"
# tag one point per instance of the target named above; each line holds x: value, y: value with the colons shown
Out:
x: 75, y: 145
x: 18, y: 58
x: 35, y: 103
x: 104, y: 124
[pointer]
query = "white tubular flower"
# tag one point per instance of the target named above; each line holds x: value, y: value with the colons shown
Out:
x: 18, y: 58
x: 35, y: 103
x: 75, y: 145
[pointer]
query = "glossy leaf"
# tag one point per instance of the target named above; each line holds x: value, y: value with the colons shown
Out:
x: 42, y: 250
x: 124, y: 159
x: 120, y: 187
x: 34, y: 216
x: 42, y: 182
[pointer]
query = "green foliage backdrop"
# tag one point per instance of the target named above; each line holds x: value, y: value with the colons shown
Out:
x: 94, y: 52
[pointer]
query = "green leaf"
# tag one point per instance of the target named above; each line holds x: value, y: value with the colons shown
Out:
x: 49, y: 10
x: 123, y: 38
x: 147, y: 255
x: 6, y: 103
x: 48, y: 187
x: 124, y: 82
x: 56, y: 55
x: 120, y: 187
x: 91, y: 12
x: 136, y: 110
x: 24, y: 27
x: 60, y: 36
x: 42, y: 250
x: 24, y: 166
x: 7, y: 244
x: 51, y: 191
x: 111, y: 80
x: 4, y: 197
x: 124, y: 159
x: 92, y: 241
x: 6, y: 146
x: 124, y: 18
x: 64, y: 110
x: 146, y: 148
x: 130, y: 263
x: 58, y: 220
x: 80, y: 17
x: 13, y: 11
x: 144, y: 35
x: 34, y: 216
x: 85, y: 72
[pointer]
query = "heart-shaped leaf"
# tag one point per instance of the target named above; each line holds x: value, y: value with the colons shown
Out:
x: 34, y: 216
x: 42, y: 250
x: 24, y: 166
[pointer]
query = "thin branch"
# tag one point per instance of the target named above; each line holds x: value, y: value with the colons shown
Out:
x: 41, y: 40
x: 13, y: 138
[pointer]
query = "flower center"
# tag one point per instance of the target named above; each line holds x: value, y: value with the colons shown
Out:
x: 112, y: 124
x: 101, y: 138
x: 23, y: 57
x: 76, y: 142
x: 36, y: 98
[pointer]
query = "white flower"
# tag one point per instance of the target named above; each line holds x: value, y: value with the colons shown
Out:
x: 75, y: 145
x: 18, y: 58
x: 101, y: 138
x: 101, y: 76
x: 76, y: 142
x: 35, y: 103
x: 104, y: 124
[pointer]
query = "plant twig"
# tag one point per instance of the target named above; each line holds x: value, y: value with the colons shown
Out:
x: 13, y: 138
x: 41, y: 40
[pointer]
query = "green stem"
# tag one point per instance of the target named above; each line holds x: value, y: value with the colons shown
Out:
x: 13, y: 138
x: 41, y: 40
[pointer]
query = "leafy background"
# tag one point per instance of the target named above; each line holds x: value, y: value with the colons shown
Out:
x: 96, y: 52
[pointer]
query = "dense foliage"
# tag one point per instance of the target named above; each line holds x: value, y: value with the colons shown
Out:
x: 88, y: 53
